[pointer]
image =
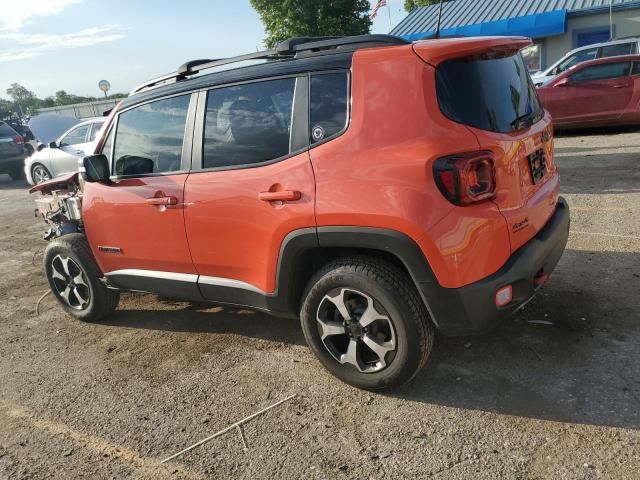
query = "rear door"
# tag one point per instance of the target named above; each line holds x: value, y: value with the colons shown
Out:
x: 136, y: 224
x: 251, y: 185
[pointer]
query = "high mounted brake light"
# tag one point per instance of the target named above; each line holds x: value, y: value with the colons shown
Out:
x: 466, y: 178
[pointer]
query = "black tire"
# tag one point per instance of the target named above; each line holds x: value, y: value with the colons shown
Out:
x: 394, y: 296
x: 42, y: 168
x: 17, y: 174
x: 100, y: 300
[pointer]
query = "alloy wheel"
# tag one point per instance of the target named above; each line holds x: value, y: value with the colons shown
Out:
x: 355, y: 331
x: 70, y: 282
x: 40, y: 174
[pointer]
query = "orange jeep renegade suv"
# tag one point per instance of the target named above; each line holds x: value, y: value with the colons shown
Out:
x: 378, y: 189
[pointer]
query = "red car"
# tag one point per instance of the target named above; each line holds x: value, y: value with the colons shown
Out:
x: 596, y: 93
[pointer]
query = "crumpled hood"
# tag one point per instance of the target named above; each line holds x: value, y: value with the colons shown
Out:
x: 49, y: 126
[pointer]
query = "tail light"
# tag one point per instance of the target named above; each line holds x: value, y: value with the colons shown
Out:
x: 18, y: 139
x: 466, y: 178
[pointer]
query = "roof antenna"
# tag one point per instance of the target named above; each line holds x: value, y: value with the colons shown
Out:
x: 437, y: 35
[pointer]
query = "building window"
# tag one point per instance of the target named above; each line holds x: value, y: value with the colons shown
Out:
x: 533, y: 57
x: 583, y: 37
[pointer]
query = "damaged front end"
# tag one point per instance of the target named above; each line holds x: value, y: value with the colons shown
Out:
x: 60, y: 205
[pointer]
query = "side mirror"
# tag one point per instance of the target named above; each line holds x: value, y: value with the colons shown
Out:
x: 54, y: 145
x: 565, y: 82
x: 96, y: 168
x: 128, y: 165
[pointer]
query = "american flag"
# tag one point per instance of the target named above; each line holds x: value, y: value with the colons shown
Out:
x: 379, y: 4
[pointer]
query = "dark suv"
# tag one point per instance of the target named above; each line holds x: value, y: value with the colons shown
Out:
x: 375, y: 188
x: 12, y: 152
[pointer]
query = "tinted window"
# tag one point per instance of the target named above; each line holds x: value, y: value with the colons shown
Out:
x: 76, y: 136
x: 248, y: 124
x: 490, y: 93
x: 106, y: 147
x: 602, y: 72
x: 582, y: 56
x: 636, y: 68
x: 151, y: 135
x: 618, y: 49
x: 6, y: 131
x: 329, y: 105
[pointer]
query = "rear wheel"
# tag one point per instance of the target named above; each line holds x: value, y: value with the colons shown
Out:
x: 366, y: 323
x: 74, y: 278
x: 40, y: 174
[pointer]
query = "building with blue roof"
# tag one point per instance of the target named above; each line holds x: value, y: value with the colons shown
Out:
x: 556, y: 26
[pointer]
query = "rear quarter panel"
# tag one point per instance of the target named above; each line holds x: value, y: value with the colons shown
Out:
x: 379, y: 172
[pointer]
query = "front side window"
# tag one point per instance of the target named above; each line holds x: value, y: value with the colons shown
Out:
x: 75, y: 136
x: 248, y: 124
x: 149, y: 138
x: 329, y: 105
x: 582, y: 56
x: 618, y: 49
x: 602, y: 72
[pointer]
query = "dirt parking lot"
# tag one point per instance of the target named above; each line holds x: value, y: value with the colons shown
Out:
x: 555, y: 393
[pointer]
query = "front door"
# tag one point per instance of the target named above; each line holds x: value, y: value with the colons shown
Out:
x: 253, y: 185
x: 65, y: 158
x: 594, y: 94
x: 136, y: 224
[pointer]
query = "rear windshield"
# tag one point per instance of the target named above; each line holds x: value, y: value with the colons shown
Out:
x: 6, y: 130
x: 491, y: 92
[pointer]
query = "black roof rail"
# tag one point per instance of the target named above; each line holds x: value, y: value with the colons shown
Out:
x: 286, y: 49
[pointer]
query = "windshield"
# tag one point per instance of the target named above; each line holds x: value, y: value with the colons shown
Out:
x: 491, y: 92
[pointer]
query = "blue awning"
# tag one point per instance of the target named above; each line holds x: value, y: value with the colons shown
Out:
x: 538, y: 25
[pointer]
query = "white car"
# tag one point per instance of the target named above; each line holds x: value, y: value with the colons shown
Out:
x: 61, y: 156
x: 614, y: 48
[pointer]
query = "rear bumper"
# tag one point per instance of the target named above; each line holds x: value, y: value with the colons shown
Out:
x: 472, y: 310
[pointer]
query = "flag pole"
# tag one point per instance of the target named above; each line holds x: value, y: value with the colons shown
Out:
x: 389, y: 11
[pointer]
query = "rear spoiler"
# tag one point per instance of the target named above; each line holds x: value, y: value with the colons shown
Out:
x: 435, y: 52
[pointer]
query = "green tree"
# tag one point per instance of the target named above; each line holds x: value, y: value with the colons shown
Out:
x: 411, y: 4
x: 24, y: 99
x: 312, y: 18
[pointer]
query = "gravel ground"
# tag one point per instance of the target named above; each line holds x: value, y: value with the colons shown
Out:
x: 553, y: 400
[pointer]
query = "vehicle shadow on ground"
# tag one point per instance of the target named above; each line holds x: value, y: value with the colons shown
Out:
x: 7, y: 183
x: 207, y: 318
x: 594, y: 131
x: 570, y: 356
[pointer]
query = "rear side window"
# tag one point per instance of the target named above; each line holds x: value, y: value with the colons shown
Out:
x: 329, y: 105
x: 149, y: 138
x: 248, y: 124
x: 618, y: 49
x: 602, y: 72
x: 491, y: 93
x: 6, y: 131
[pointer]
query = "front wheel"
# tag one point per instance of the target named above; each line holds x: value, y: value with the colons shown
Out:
x: 40, y: 174
x: 366, y: 323
x: 74, y: 278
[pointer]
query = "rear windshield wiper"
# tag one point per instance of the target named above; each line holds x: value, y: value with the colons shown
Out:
x: 527, y: 117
